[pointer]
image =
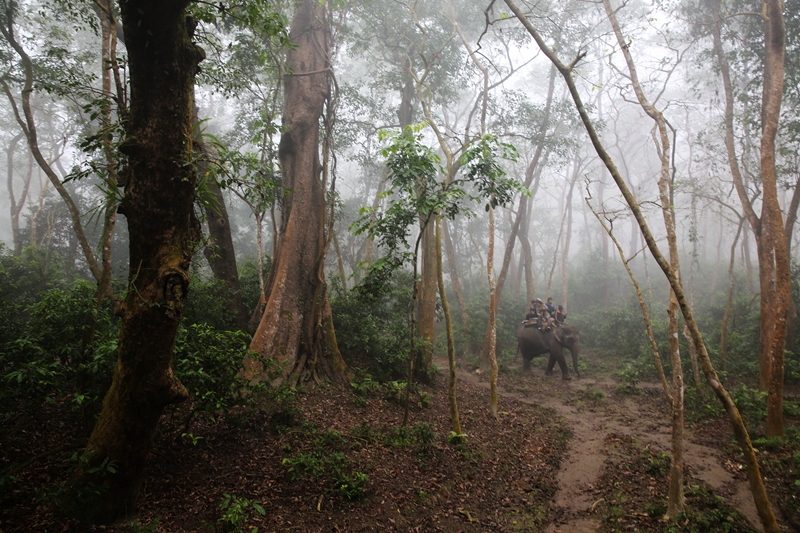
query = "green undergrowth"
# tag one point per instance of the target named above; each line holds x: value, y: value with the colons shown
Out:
x: 365, y: 387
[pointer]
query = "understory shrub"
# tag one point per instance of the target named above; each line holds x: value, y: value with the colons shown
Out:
x: 327, y: 461
x: 209, y: 363
x: 372, y: 323
x: 65, y: 349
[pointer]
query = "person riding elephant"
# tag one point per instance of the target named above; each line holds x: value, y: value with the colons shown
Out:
x: 561, y: 315
x: 535, y: 309
x: 533, y: 342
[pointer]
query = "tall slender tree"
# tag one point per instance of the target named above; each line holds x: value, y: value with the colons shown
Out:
x: 675, y: 500
x: 769, y: 230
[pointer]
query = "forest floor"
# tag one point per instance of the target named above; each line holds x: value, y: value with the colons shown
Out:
x: 578, y: 456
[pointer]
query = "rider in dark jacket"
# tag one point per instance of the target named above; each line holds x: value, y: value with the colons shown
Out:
x: 561, y: 315
x: 550, y: 307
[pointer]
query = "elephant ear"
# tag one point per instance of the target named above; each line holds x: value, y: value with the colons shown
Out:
x: 557, y: 334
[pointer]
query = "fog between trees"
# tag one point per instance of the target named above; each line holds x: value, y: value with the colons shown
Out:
x: 675, y: 64
x: 295, y: 178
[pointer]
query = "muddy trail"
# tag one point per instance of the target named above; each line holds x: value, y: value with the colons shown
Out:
x: 598, y: 416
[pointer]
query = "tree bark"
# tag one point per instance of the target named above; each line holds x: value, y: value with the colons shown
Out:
x: 774, y: 58
x: 16, y: 207
x: 451, y: 347
x: 455, y: 279
x: 427, y: 299
x: 791, y: 219
x: 158, y: 203
x: 296, y: 330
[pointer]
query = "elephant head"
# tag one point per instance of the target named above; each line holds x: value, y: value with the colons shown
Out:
x: 533, y: 342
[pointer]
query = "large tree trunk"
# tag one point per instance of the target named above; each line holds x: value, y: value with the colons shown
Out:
x: 296, y: 330
x: 158, y: 203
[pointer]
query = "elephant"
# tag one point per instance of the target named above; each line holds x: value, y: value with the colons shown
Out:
x: 533, y: 342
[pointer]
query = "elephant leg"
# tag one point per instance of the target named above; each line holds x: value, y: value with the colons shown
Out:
x: 558, y: 357
x: 575, y: 362
x: 551, y: 362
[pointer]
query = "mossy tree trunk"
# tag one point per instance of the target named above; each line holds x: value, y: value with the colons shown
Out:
x: 427, y: 300
x: 221, y: 256
x: 158, y: 203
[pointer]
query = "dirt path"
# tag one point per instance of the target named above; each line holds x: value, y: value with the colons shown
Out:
x: 587, y: 453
